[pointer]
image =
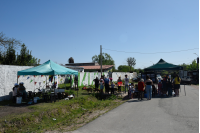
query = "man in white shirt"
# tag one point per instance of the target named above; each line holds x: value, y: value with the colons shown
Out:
x: 126, y: 83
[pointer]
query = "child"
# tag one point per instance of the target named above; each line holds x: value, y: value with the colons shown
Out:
x: 112, y: 88
x: 132, y: 90
x: 101, y: 86
x: 129, y: 92
x: 159, y: 87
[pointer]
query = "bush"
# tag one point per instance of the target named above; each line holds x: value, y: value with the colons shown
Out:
x: 112, y: 97
x: 70, y: 92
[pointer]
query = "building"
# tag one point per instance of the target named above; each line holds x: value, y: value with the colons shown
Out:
x: 89, y: 67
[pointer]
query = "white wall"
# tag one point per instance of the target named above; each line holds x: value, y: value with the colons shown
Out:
x: 8, y: 77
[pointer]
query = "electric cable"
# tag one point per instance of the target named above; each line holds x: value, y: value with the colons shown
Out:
x: 151, y: 53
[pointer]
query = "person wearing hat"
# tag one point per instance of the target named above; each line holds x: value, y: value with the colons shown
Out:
x: 15, y: 89
x: 22, y: 90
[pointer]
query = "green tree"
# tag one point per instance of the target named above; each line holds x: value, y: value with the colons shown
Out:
x: 124, y: 68
x: 131, y: 62
x: 193, y: 66
x: 25, y: 58
x: 106, y: 59
x: 10, y: 57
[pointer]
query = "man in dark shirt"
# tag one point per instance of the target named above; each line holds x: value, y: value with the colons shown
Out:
x: 96, y: 82
x: 106, y: 82
x: 22, y: 90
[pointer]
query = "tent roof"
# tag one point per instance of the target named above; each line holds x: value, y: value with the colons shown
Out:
x: 48, y: 68
x: 163, y: 65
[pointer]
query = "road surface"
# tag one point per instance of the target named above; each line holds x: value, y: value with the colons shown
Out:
x: 159, y: 115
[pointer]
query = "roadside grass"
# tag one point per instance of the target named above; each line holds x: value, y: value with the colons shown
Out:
x: 65, y: 115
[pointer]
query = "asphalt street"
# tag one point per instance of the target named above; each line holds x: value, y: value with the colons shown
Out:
x: 159, y: 115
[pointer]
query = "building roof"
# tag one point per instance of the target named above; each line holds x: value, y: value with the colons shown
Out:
x: 97, y: 67
x: 73, y: 66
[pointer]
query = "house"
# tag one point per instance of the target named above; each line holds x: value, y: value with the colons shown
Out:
x: 89, y: 67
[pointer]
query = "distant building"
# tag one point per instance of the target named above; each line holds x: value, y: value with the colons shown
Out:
x: 90, y: 67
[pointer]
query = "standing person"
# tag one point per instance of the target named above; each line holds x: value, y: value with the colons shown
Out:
x: 132, y: 90
x: 149, y: 84
x: 126, y: 83
x: 153, y: 90
x: 169, y: 86
x: 106, y: 82
x: 96, y: 81
x: 101, y: 86
x: 76, y: 81
x: 119, y: 82
x: 112, y: 88
x: 140, y: 89
x: 177, y: 82
x: 164, y: 86
x: 22, y: 90
x: 15, y: 89
x: 159, y: 87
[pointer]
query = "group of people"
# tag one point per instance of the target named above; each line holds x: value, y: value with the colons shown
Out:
x: 19, y: 90
x: 164, y: 87
x: 109, y: 84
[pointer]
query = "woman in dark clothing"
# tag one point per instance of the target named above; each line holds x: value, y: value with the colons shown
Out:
x: 169, y: 86
x: 148, y: 89
x: 153, y: 91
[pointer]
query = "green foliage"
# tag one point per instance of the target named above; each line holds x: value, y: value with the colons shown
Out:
x: 106, y: 59
x: 124, y: 68
x: 131, y: 62
x: 190, y: 67
x: 23, y: 59
x: 70, y: 92
x: 112, y: 97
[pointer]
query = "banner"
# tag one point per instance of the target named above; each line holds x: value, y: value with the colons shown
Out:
x: 35, y: 83
x: 43, y: 81
x: 27, y: 77
x: 39, y: 83
x: 18, y: 76
x: 31, y: 81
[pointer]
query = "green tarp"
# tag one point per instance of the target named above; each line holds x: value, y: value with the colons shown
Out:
x: 163, y: 65
x: 48, y: 68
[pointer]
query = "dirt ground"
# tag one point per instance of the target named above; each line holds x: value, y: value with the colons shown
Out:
x: 11, y: 110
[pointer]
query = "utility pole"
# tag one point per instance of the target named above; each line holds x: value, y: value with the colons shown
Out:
x: 101, y: 57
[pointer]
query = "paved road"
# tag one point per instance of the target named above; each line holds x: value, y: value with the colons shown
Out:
x: 159, y: 115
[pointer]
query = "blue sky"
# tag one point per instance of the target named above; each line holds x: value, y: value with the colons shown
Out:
x: 58, y: 30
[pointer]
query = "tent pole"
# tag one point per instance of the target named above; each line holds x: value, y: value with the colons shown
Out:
x: 46, y: 80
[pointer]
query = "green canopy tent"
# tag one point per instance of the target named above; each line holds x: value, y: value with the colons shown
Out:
x: 163, y: 65
x: 48, y: 68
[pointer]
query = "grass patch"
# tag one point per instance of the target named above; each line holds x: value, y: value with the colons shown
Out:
x: 65, y: 115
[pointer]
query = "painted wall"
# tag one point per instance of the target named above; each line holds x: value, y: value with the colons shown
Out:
x: 8, y: 77
x: 86, y: 78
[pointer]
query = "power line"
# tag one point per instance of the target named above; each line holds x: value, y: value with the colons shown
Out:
x: 150, y: 53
